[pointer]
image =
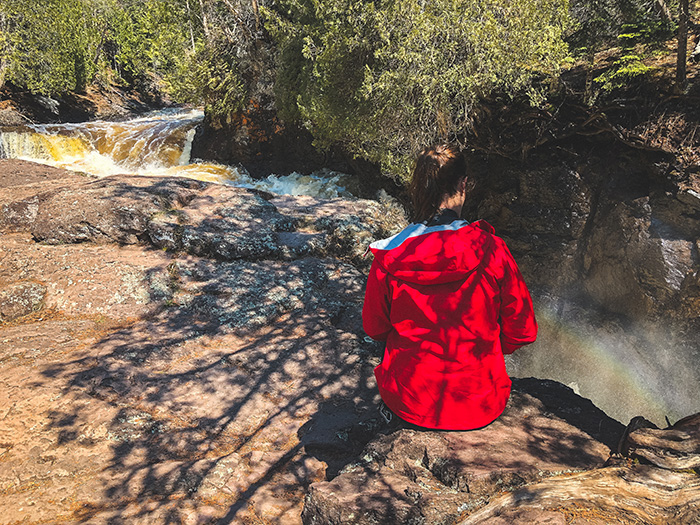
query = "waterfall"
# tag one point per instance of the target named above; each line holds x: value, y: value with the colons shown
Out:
x: 157, y: 144
x: 40, y: 147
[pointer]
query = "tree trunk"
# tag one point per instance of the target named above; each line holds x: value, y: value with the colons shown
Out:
x: 664, y: 10
x: 189, y: 23
x: 257, y: 15
x: 205, y: 22
x: 682, y: 46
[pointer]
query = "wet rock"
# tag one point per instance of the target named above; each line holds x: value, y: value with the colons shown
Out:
x: 257, y: 139
x: 94, y: 103
x: 636, y: 264
x: 19, y: 299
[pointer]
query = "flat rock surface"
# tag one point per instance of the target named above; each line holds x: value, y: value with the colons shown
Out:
x: 155, y: 386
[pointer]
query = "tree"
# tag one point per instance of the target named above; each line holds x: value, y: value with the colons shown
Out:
x: 232, y: 60
x: 386, y: 78
x: 682, y: 55
x: 54, y: 46
x: 151, y: 40
x: 49, y: 45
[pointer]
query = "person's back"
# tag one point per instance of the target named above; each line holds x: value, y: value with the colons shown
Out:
x: 448, y: 299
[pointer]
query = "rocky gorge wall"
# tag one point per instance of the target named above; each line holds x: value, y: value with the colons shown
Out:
x: 608, y: 241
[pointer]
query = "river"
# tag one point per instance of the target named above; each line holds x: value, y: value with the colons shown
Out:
x: 155, y: 144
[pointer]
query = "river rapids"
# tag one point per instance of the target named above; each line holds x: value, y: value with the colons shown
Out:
x: 156, y: 144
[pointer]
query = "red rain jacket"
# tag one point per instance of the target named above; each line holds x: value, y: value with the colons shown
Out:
x: 449, y: 301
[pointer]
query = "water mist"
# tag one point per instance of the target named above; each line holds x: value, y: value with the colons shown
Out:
x: 627, y: 369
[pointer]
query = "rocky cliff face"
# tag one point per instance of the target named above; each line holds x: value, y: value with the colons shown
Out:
x: 19, y: 107
x: 607, y: 238
x: 258, y: 140
x: 607, y: 224
x: 177, y: 351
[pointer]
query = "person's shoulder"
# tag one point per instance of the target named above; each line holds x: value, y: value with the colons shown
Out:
x: 484, y: 229
x: 485, y: 226
x: 484, y: 235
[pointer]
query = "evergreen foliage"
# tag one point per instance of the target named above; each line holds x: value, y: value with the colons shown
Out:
x: 386, y: 78
x: 229, y: 60
x: 638, y: 28
x: 150, y: 39
x: 598, y: 24
x: 50, y: 45
x: 381, y: 78
x: 636, y: 39
x: 54, y: 46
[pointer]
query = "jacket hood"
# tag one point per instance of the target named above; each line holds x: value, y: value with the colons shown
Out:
x: 436, y: 254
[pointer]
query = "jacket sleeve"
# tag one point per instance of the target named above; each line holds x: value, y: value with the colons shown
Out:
x: 375, y: 311
x: 517, y: 317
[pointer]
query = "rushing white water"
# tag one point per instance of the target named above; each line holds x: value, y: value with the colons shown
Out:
x: 157, y: 144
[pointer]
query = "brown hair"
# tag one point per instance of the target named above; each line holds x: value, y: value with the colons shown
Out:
x: 438, y: 172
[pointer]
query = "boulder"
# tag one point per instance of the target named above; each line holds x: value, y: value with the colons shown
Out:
x: 115, y: 209
x: 9, y: 116
x: 20, y: 184
x: 199, y: 218
x: 531, y: 466
x: 673, y: 448
x: 656, y: 485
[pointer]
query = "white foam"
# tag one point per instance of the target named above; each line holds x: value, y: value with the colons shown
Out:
x: 156, y: 144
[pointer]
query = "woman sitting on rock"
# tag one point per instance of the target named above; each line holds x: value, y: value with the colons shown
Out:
x: 448, y: 299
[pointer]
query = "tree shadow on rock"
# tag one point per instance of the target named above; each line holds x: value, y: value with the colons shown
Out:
x: 225, y: 395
